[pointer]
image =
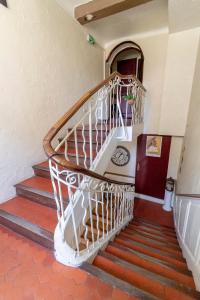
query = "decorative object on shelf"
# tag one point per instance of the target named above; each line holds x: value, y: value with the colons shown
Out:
x: 130, y: 99
x: 4, y: 2
x: 121, y: 156
x: 91, y: 39
x: 154, y: 146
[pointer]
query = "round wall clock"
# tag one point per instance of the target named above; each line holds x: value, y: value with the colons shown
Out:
x: 121, y: 156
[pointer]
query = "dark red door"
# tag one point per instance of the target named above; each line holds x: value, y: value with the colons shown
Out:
x: 151, y: 172
x: 126, y: 67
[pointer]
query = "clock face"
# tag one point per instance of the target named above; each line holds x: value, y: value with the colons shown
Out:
x: 121, y: 156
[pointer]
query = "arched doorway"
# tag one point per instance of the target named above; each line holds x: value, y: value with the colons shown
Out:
x: 127, y: 58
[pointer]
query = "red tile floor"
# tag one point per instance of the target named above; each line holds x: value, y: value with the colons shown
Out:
x: 30, y: 272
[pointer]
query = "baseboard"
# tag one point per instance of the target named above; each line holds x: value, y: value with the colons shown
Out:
x: 149, y: 198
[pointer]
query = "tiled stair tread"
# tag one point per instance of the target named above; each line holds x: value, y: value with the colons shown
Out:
x: 116, y: 282
x: 155, y: 224
x: 43, y: 184
x: 140, y: 247
x: 150, y: 243
x: 142, y: 278
x: 147, y: 229
x: 32, y: 212
x: 157, y: 261
x: 149, y: 264
x: 158, y: 239
x: 157, y: 235
x: 27, y: 229
x: 39, y: 183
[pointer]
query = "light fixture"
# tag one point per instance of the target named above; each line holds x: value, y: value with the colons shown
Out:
x: 89, y: 17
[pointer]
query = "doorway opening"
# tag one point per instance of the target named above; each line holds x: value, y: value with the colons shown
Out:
x: 127, y: 58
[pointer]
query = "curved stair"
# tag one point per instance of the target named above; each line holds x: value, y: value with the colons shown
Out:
x: 148, y: 270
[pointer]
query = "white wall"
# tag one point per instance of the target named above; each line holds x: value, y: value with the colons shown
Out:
x: 179, y: 72
x: 154, y: 48
x: 189, y: 177
x: 46, y: 64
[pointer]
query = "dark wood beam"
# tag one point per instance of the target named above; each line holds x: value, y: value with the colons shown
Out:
x: 103, y: 8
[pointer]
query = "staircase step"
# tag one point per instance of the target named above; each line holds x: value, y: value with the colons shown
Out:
x: 150, y: 264
x: 153, y: 224
x: 35, y: 213
x: 172, y: 243
x: 29, y: 219
x: 155, y: 231
x: 140, y: 247
x: 152, y: 259
x: 153, y: 244
x: 150, y: 282
x: 131, y: 290
x: 40, y: 190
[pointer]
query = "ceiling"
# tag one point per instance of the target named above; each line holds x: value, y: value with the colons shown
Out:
x: 147, y: 17
x: 177, y: 15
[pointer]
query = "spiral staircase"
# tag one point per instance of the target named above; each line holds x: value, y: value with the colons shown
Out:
x: 87, y: 219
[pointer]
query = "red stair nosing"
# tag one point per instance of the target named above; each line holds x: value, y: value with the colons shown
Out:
x: 149, y: 285
x: 153, y: 267
x: 35, y: 213
x: 151, y: 252
x: 172, y: 243
x: 154, y: 245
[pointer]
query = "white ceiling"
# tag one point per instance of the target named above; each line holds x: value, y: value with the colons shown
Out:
x: 147, y: 17
x: 178, y: 15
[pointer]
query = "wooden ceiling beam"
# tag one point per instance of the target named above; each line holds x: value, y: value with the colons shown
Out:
x: 103, y: 8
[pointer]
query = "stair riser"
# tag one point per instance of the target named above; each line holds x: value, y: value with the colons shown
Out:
x: 163, y: 248
x: 151, y: 259
x: 173, y: 244
x: 149, y: 285
x: 151, y: 252
x: 153, y: 267
x: 41, y: 199
x: 41, y: 172
x: 153, y: 225
x: 153, y: 232
x: 154, y: 229
x: 26, y: 232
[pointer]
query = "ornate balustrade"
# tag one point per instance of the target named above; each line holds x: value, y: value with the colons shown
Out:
x: 90, y: 207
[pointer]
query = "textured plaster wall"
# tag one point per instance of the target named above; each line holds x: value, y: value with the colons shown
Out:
x: 46, y: 65
x: 179, y: 73
x: 189, y: 177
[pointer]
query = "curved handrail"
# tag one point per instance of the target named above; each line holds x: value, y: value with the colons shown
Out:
x: 52, y: 154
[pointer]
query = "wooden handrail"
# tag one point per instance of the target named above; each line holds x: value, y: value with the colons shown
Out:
x: 52, y: 154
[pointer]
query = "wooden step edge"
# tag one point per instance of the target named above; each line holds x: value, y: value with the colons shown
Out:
x: 149, y: 227
x: 80, y: 141
x: 141, y: 220
x: 152, y: 259
x: 153, y: 230
x: 27, y: 229
x: 152, y: 249
x: 150, y: 275
x: 154, y: 244
x: 39, y: 196
x: 41, y: 171
x: 115, y: 282
x: 155, y: 238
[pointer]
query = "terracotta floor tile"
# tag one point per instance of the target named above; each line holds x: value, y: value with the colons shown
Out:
x: 30, y: 272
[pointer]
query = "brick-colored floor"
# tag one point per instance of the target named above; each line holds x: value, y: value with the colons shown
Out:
x: 153, y: 212
x: 28, y: 272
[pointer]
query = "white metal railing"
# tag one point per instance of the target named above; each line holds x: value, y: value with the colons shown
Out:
x: 104, y: 111
x: 96, y: 211
x: 91, y: 209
